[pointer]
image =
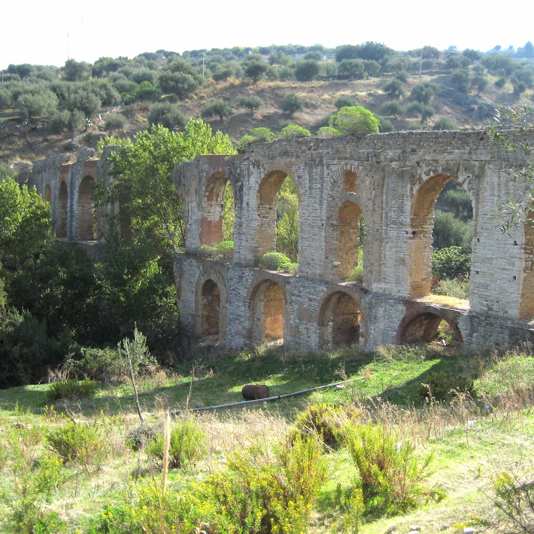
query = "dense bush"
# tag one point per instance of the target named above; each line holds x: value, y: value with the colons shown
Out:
x: 217, y: 108
x: 444, y: 385
x: 325, y: 422
x: 276, y: 261
x: 390, y: 472
x: 451, y: 262
x: 345, y: 101
x: 115, y: 121
x: 450, y: 230
x: 71, y: 390
x: 444, y: 123
x: 514, y: 498
x: 187, y: 445
x: 355, y: 120
x: 252, y: 103
x: 79, y: 443
x: 291, y: 104
x: 168, y: 115
x: 306, y: 70
x: 292, y: 131
x: 327, y: 132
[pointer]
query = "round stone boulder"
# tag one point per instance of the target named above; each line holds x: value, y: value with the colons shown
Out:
x: 255, y: 391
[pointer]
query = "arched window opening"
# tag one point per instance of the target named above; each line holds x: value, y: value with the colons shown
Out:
x: 349, y: 182
x: 526, y: 309
x: 63, y: 200
x: 350, y: 258
x: 48, y: 194
x: 218, y: 215
x: 278, y: 229
x: 339, y: 321
x: 210, y: 311
x: 268, y: 313
x: 441, y: 240
x: 429, y: 328
x: 86, y: 210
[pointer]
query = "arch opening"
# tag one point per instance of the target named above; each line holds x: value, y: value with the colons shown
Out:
x: 268, y: 305
x: 350, y: 238
x: 442, y: 230
x: 218, y: 213
x: 86, y: 210
x: 63, y: 200
x: 340, y: 321
x: 48, y: 194
x: 278, y: 214
x: 526, y: 307
x: 210, y: 313
x: 430, y: 328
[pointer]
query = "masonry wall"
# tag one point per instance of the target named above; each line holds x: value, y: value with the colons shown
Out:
x: 392, y: 180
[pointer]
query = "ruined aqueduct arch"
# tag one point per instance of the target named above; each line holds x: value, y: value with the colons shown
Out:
x: 389, y: 181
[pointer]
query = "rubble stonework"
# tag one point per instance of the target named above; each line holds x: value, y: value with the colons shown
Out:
x: 392, y: 180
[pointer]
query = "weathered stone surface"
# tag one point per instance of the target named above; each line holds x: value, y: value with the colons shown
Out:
x: 392, y: 181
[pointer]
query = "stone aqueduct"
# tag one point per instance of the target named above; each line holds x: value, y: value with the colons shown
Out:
x: 392, y: 180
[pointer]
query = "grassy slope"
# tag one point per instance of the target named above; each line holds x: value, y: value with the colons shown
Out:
x: 467, y: 449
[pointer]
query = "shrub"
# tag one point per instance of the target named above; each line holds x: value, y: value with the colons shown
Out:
x: 394, y: 88
x: 217, y: 108
x: 306, y: 70
x: 292, y: 131
x: 450, y: 230
x: 444, y: 123
x: 71, y: 390
x: 188, y: 444
x: 345, y: 101
x: 351, y: 69
x: 79, y: 443
x: 443, y: 385
x: 139, y: 437
x: 260, y: 134
x: 457, y: 288
x: 386, y: 125
x: 451, y: 262
x: 268, y: 495
x: 355, y: 120
x: 389, y: 470
x: 276, y: 261
x: 515, y: 500
x: 104, y: 365
x: 168, y: 115
x: 392, y: 108
x: 327, y: 132
x: 252, y: 103
x: 291, y: 104
x: 115, y: 121
x: 324, y: 421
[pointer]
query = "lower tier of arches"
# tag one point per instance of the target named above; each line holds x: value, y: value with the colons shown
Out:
x: 236, y: 306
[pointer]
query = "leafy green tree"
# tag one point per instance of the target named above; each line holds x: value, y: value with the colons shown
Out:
x: 179, y: 83
x: 423, y: 93
x: 168, y: 115
x: 6, y: 100
x: 142, y: 168
x: 39, y: 103
x: 217, y: 108
x: 260, y: 134
x: 25, y: 224
x: 306, y: 70
x: 355, y: 120
x: 351, y: 69
x: 460, y: 80
x: 255, y: 69
x: 75, y: 71
x: 287, y: 225
x: 115, y: 121
x: 252, y: 103
x: 392, y: 108
x: 292, y: 131
x: 451, y: 262
x: 394, y: 88
x: 291, y: 104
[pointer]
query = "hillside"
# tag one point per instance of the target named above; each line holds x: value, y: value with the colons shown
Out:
x: 46, y: 109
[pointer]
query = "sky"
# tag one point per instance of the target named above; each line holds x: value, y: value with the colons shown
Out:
x: 51, y: 31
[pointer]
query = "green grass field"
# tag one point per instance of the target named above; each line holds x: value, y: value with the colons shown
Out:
x: 470, y: 440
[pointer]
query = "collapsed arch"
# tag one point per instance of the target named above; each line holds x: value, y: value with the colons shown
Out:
x: 62, y: 207
x: 526, y: 307
x: 87, y: 230
x: 268, y: 313
x: 428, y: 327
x: 212, y: 225
x: 340, y: 320
x: 210, y: 310
x: 421, y: 235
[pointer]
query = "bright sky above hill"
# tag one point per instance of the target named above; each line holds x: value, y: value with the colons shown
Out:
x: 51, y: 31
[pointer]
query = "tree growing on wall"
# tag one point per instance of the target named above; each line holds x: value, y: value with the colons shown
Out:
x: 355, y: 120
